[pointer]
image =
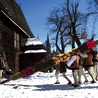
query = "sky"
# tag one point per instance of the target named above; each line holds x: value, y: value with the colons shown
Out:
x: 36, y: 13
x: 41, y: 85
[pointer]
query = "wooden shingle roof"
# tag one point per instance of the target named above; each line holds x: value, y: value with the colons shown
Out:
x: 11, y: 9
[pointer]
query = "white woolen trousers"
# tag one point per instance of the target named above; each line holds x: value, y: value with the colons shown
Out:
x: 1, y: 73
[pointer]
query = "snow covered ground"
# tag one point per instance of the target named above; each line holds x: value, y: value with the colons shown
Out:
x: 41, y: 85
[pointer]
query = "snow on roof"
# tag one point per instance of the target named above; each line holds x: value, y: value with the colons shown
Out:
x: 36, y: 51
x: 33, y: 41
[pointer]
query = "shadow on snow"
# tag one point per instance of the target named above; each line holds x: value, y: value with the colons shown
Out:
x: 48, y: 87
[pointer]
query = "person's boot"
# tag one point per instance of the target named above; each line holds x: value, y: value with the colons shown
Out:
x: 93, y: 81
x: 86, y: 81
x: 57, y: 82
x: 69, y: 82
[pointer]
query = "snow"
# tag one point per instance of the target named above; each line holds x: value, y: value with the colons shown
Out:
x: 36, y: 51
x: 41, y: 85
x: 33, y: 41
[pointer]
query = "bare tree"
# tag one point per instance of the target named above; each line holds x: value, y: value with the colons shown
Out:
x: 76, y: 19
x: 58, y: 20
x: 66, y: 22
x: 93, y: 14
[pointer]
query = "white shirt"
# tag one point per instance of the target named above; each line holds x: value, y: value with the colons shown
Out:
x: 73, y: 58
x: 84, y: 55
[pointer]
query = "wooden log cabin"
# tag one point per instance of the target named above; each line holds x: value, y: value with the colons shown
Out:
x: 13, y: 31
x: 31, y: 53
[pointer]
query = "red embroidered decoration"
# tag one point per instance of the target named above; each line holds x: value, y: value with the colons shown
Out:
x: 27, y: 72
x: 91, y: 44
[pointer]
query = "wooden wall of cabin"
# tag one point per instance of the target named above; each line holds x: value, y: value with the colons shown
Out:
x: 11, y: 39
x: 8, y: 45
x: 30, y: 59
x: 1, y: 37
x: 11, y: 48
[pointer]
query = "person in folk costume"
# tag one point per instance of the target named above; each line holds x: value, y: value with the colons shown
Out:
x: 1, y: 65
x: 95, y: 61
x: 81, y: 70
x: 88, y: 64
x: 73, y: 64
x: 61, y: 68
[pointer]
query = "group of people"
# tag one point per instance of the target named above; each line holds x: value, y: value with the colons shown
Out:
x: 78, y: 63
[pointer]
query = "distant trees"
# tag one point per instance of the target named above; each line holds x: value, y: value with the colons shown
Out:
x: 48, y: 46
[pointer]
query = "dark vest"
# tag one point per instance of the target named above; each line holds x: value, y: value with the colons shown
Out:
x: 88, y: 61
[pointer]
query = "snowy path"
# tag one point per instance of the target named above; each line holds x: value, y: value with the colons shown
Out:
x: 41, y: 85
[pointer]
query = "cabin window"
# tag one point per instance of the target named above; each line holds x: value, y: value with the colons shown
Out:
x: 16, y: 40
